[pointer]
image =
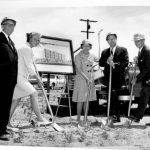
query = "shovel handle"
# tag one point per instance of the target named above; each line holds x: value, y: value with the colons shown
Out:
x: 87, y: 102
x: 131, y: 93
x: 109, y: 91
x: 43, y: 90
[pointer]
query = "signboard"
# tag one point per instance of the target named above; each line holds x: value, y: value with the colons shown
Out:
x: 54, y: 55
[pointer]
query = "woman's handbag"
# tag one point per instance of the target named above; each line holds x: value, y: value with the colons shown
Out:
x: 98, y: 74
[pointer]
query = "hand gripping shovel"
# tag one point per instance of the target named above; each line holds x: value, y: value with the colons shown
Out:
x: 104, y: 123
x: 54, y: 125
x: 126, y: 124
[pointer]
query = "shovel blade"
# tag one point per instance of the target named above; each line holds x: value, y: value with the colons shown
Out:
x: 104, y: 122
x: 57, y: 127
x: 107, y: 123
x: 127, y: 123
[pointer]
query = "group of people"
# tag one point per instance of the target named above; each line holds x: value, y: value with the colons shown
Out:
x: 17, y: 65
x: 117, y: 58
x: 15, y: 68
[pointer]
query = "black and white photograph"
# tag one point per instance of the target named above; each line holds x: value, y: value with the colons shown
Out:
x: 54, y: 55
x: 75, y: 74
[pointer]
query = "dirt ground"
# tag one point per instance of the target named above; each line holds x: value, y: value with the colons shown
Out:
x: 137, y: 136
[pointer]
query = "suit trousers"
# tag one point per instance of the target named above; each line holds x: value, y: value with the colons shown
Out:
x: 6, y: 93
x: 143, y: 101
x: 114, y: 103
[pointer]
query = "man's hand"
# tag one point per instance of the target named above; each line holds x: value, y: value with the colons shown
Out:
x: 133, y: 81
x: 135, y: 60
x: 39, y: 80
x: 89, y: 82
x: 110, y: 61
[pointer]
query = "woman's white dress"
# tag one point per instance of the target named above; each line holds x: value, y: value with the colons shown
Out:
x: 25, y: 68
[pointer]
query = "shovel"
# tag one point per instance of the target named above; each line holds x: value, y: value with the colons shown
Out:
x: 131, y: 94
x: 87, y: 105
x: 54, y: 125
x: 108, y: 120
x: 88, y: 97
x: 130, y: 101
x: 126, y: 124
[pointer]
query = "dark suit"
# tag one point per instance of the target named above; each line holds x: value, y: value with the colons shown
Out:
x: 118, y: 74
x: 143, y: 77
x: 8, y: 79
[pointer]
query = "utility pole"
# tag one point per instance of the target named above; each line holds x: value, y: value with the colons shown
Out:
x: 87, y: 31
x: 88, y: 26
x: 99, y: 41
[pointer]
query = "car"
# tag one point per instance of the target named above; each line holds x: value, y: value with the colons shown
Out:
x: 56, y: 81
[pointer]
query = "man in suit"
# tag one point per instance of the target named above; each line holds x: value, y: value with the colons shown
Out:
x: 8, y: 73
x: 116, y: 57
x: 143, y: 62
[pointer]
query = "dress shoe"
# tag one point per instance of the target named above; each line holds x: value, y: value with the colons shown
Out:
x: 116, y: 119
x: 4, y: 137
x: 13, y: 129
x: 44, y: 122
x: 135, y: 119
x: 135, y: 122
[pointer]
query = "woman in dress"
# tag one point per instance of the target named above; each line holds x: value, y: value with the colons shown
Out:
x: 24, y: 87
x: 84, y: 77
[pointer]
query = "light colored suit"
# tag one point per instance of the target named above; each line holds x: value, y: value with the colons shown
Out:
x: 25, y: 68
x: 81, y: 89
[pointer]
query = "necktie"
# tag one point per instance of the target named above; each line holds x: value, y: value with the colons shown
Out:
x: 111, y: 51
x: 12, y: 45
x: 139, y: 53
x: 10, y: 42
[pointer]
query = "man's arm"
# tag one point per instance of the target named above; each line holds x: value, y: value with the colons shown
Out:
x: 124, y: 59
x: 103, y: 59
x: 145, y: 73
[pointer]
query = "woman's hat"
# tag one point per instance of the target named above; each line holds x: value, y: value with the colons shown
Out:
x: 86, y: 42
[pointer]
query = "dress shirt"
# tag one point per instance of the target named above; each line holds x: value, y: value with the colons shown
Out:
x: 113, y: 49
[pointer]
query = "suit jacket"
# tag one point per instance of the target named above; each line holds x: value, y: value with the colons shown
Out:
x: 8, y: 62
x: 144, y: 65
x: 118, y: 73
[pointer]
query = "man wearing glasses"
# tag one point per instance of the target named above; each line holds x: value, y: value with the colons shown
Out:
x: 8, y: 73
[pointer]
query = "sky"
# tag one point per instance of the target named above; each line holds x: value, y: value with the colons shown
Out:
x: 62, y: 20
